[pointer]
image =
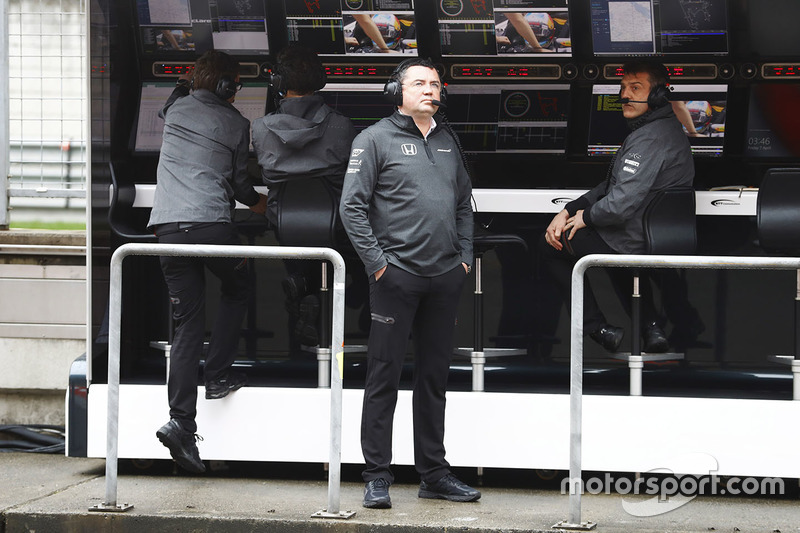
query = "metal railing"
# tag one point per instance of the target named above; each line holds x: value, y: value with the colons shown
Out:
x: 194, y: 250
x: 576, y: 342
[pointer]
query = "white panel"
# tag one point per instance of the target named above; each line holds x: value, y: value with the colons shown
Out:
x: 43, y: 301
x: 621, y: 433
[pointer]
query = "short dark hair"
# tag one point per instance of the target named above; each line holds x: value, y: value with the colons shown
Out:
x: 210, y: 67
x: 300, y: 69
x: 656, y: 72
x: 401, y: 69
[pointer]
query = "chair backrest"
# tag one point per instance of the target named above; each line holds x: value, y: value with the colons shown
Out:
x: 307, y: 213
x: 123, y: 220
x: 778, y: 209
x: 670, y: 225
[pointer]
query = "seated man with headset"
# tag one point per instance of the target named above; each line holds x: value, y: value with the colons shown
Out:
x: 201, y: 173
x: 304, y: 139
x: 608, y: 219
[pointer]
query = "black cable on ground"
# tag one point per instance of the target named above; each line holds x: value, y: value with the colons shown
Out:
x: 35, y: 438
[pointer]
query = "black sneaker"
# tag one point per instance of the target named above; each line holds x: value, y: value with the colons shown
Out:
x: 608, y: 336
x: 182, y: 446
x: 449, y: 488
x: 376, y: 494
x: 655, y: 340
x: 219, y: 388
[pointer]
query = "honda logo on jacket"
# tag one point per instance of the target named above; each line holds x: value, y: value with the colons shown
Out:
x: 409, y: 149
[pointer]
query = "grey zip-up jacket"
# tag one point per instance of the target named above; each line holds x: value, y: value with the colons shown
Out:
x: 406, y: 199
x: 303, y: 138
x: 202, y: 169
x: 656, y: 155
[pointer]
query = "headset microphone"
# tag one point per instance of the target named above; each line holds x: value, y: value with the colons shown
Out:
x: 629, y: 101
x: 439, y: 103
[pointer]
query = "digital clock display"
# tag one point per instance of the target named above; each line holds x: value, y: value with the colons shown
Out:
x: 505, y: 71
x: 780, y: 70
x: 352, y: 71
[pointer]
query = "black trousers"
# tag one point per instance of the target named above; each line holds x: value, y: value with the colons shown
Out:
x: 402, y: 304
x: 560, y: 264
x: 185, y: 277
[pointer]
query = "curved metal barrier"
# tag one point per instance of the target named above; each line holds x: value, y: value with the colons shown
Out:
x: 576, y: 343
x: 196, y: 250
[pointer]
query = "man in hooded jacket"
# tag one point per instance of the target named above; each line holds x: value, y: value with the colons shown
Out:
x: 304, y: 139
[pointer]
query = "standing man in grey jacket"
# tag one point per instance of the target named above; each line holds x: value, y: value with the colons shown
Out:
x: 406, y: 207
x: 201, y: 173
x: 656, y: 155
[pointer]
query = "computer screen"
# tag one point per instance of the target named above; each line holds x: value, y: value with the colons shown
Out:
x: 509, y: 118
x: 363, y: 103
x: 656, y: 27
x: 772, y: 28
x: 701, y: 110
x: 250, y: 101
x: 194, y: 26
x: 331, y: 27
x: 504, y: 28
x: 772, y: 129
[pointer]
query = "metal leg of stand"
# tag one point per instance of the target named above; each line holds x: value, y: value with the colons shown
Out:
x: 635, y: 363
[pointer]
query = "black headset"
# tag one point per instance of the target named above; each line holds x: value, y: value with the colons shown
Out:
x: 659, y: 96
x: 227, y: 87
x: 394, y: 88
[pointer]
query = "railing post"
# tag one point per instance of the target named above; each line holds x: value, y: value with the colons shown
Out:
x: 196, y: 250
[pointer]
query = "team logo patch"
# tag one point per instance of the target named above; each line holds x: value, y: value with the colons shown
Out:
x: 629, y: 169
x: 631, y: 163
x: 356, y: 152
x: 443, y: 150
x: 409, y: 149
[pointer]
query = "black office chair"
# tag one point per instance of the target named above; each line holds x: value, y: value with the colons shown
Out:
x: 308, y: 215
x: 124, y: 219
x: 478, y: 353
x: 670, y: 228
x: 778, y: 227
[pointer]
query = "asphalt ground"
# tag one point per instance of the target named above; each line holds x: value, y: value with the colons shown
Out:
x: 53, y: 493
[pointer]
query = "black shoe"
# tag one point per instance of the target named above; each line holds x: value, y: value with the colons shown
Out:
x: 295, y: 287
x: 655, y: 340
x: 376, y: 494
x: 305, y: 329
x: 449, y: 488
x: 608, y: 336
x: 182, y: 446
x: 219, y: 388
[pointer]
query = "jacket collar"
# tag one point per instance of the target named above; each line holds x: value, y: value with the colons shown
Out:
x: 651, y: 115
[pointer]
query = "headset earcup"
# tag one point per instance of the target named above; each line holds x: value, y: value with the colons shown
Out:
x: 225, y: 88
x: 658, y: 97
x: 443, y: 94
x: 394, y: 91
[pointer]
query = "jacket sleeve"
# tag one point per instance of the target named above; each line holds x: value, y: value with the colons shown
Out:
x: 359, y: 185
x: 243, y: 189
x: 464, y: 215
x: 179, y: 92
x: 634, y: 173
x: 587, y: 199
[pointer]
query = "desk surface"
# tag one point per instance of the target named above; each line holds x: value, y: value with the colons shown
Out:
x: 729, y: 203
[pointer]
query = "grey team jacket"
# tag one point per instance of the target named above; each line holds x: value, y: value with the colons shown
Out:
x: 656, y: 155
x: 203, y: 165
x: 303, y: 138
x: 406, y: 199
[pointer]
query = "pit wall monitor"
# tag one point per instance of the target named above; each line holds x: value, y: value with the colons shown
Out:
x: 509, y: 118
x: 659, y: 27
x: 363, y: 103
x: 250, y: 101
x: 772, y: 129
x: 190, y: 27
x: 701, y: 110
x: 504, y: 28
x: 353, y: 27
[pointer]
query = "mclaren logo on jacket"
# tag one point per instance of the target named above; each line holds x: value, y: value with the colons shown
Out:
x: 409, y: 149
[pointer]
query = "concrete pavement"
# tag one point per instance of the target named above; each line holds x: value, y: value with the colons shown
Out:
x: 46, y: 493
